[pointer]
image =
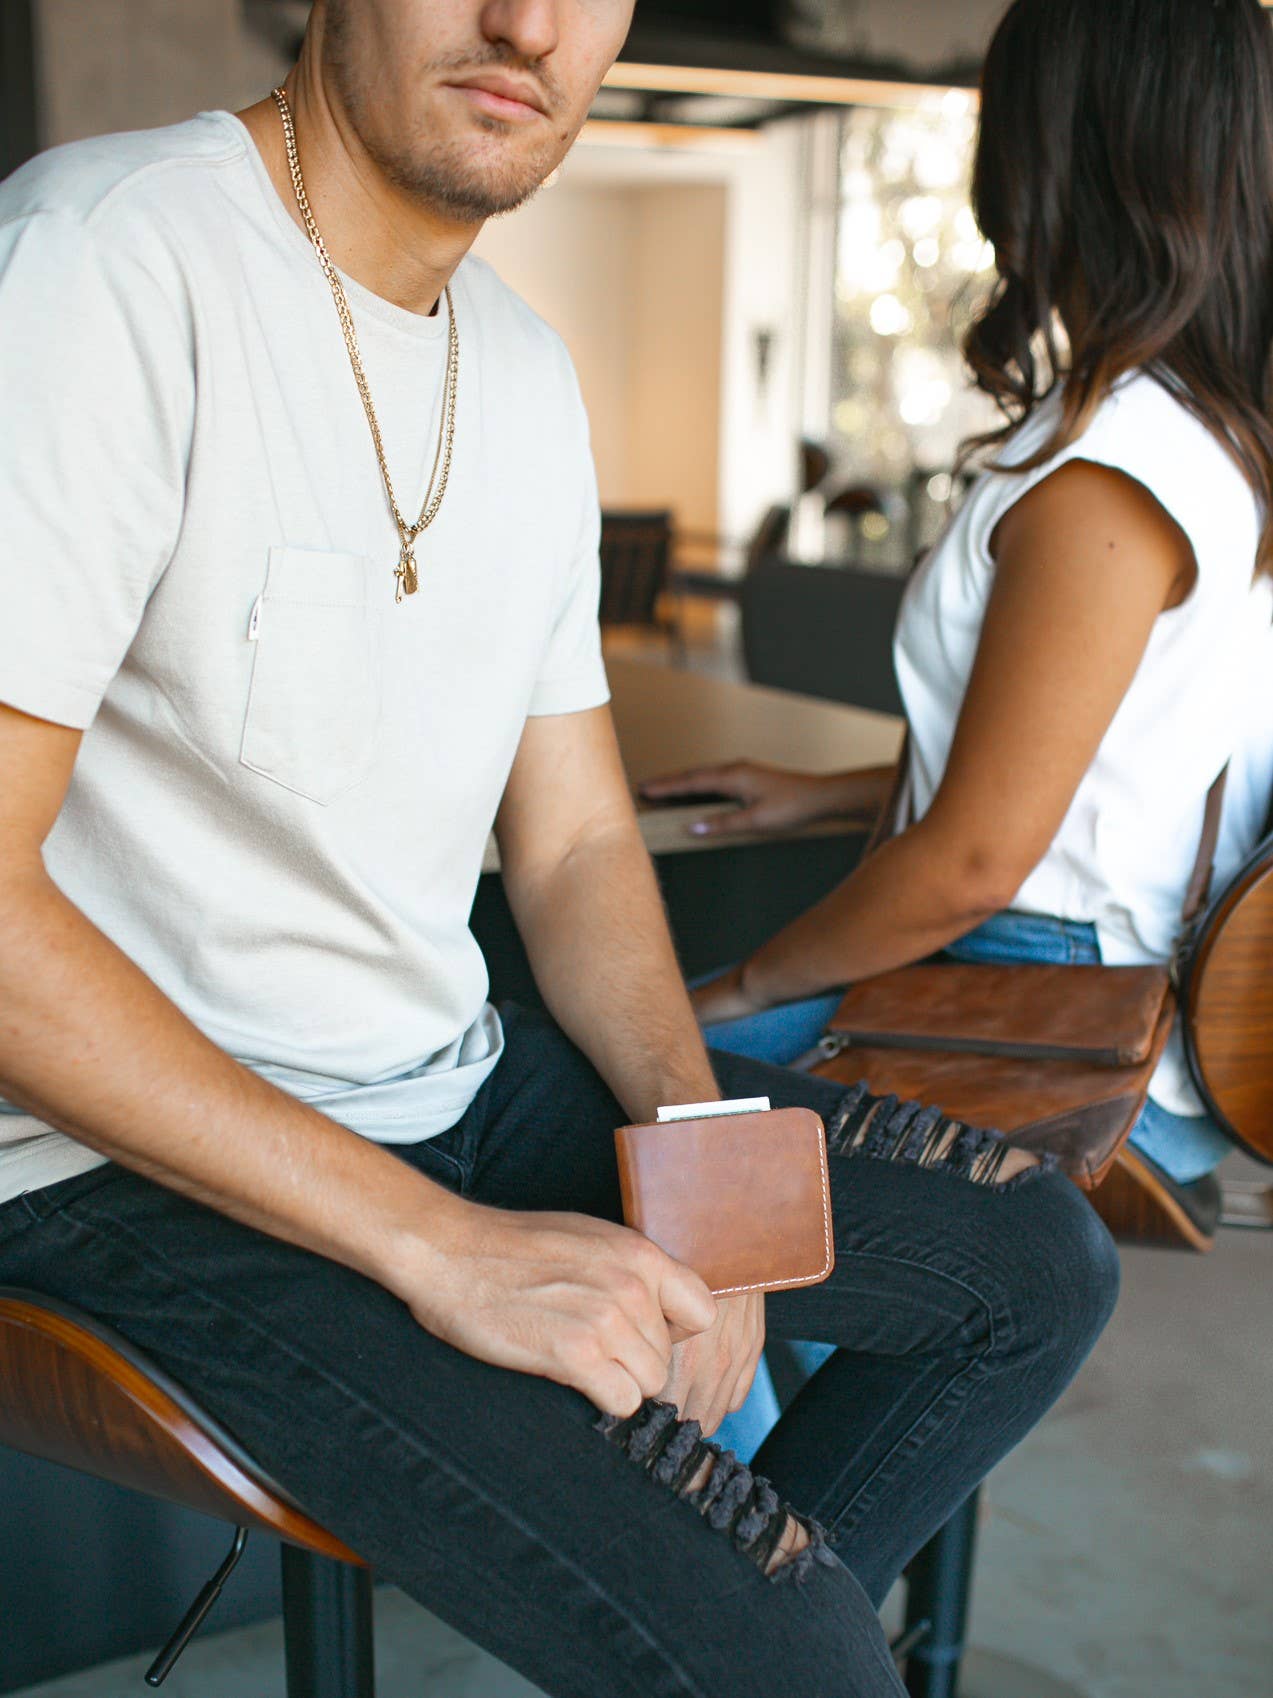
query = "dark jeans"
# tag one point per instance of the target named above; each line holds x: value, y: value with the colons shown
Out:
x: 960, y: 1309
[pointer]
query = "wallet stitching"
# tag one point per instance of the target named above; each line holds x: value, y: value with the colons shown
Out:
x: 825, y: 1269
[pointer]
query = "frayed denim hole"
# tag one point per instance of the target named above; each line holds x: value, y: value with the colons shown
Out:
x: 875, y: 1140
x: 732, y: 1500
x: 1046, y: 1162
x: 817, y: 1551
x: 845, y: 1124
x: 886, y: 1129
x: 931, y: 1129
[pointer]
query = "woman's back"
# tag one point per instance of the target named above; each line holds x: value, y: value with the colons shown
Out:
x: 1201, y: 697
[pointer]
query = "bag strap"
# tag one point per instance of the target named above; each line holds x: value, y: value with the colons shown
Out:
x: 897, y: 805
x: 1199, y: 886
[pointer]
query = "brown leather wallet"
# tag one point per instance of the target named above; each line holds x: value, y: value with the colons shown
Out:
x: 743, y: 1199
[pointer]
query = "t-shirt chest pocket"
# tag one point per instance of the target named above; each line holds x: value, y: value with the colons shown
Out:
x: 313, y: 709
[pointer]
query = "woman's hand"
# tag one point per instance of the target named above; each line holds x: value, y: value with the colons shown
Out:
x: 724, y: 998
x: 771, y: 798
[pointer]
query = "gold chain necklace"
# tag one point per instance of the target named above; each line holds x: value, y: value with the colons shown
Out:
x: 405, y: 571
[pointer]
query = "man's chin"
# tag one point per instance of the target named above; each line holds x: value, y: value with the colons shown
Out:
x: 472, y: 180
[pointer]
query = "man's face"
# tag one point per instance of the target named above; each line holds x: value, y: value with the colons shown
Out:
x: 469, y: 104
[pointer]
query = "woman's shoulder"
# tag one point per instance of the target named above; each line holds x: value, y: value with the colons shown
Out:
x: 1144, y: 430
x: 1140, y: 426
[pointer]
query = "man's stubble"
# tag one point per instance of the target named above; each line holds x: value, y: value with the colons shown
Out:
x: 451, y: 177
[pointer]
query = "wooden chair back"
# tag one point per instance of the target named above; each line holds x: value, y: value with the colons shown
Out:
x: 636, y: 557
x: 74, y: 1391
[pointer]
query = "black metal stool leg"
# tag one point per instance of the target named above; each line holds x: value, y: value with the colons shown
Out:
x: 327, y: 1627
x: 938, y: 1591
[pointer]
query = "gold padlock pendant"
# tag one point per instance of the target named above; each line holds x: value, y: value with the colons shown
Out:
x: 405, y: 572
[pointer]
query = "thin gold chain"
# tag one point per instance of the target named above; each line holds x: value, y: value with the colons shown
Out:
x: 405, y: 572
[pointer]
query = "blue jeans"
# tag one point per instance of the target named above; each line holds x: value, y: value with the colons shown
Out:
x: 568, y: 1545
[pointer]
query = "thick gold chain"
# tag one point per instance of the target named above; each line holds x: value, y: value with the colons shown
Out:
x: 405, y: 572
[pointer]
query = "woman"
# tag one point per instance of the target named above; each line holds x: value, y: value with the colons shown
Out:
x: 1090, y: 641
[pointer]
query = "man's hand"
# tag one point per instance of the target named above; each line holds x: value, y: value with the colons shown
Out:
x: 581, y: 1301
x: 712, y: 1373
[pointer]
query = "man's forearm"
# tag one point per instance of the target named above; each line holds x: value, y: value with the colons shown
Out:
x: 599, y: 944
x: 91, y: 1046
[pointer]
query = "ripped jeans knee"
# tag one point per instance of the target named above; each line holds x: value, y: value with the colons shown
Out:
x: 887, y: 1129
x: 730, y: 1498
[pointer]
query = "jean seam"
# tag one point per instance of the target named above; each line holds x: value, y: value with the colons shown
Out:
x: 834, y: 1524
x: 867, y: 1495
x: 147, y: 1255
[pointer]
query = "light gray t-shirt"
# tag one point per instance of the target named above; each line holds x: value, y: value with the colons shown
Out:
x: 286, y: 781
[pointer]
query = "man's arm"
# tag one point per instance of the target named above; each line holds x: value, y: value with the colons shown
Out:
x: 90, y: 1045
x: 583, y: 892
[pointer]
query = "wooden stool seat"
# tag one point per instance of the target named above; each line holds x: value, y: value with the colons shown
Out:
x: 74, y: 1391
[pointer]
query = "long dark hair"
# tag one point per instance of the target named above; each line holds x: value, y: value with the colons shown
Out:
x: 1124, y: 174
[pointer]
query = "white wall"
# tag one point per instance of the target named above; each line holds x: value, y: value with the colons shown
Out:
x: 630, y: 273
x: 764, y: 271
x: 570, y: 254
x: 660, y: 272
x: 675, y: 377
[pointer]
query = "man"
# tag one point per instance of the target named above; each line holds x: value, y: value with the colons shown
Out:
x: 258, y: 720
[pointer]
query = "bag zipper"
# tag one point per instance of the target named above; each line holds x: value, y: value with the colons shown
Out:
x: 827, y: 1048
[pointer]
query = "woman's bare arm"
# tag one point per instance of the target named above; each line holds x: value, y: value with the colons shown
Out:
x: 1086, y: 562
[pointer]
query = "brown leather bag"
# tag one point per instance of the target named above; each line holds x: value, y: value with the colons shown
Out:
x: 1060, y: 1057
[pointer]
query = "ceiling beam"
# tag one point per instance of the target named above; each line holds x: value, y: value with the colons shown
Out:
x: 785, y: 87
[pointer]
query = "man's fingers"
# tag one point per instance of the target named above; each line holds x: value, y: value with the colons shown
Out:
x: 685, y: 1300
x: 643, y: 1360
x: 741, y: 1389
x: 612, y: 1389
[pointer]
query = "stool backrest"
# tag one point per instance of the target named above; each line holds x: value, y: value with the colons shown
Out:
x: 1227, y: 1005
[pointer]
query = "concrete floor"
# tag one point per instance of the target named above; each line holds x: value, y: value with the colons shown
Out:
x: 1126, y: 1547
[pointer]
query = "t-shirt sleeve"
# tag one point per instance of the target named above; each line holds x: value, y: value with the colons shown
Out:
x: 96, y: 403
x: 573, y: 675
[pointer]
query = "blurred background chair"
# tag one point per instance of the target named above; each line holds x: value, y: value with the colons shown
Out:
x: 636, y: 558
x: 823, y: 631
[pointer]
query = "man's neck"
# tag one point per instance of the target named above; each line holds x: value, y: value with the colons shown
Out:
x: 374, y: 232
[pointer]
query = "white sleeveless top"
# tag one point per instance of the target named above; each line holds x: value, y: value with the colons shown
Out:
x: 1203, y: 694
